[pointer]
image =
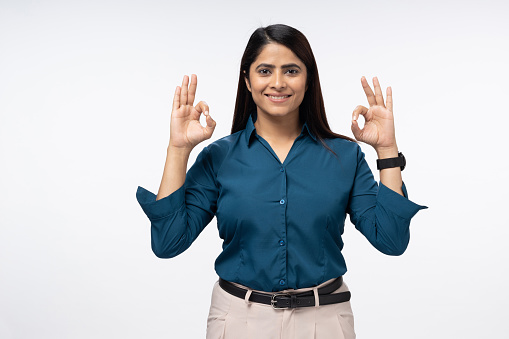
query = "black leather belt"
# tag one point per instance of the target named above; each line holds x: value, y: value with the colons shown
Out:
x: 288, y: 300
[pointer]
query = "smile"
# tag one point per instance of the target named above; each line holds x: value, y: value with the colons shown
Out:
x: 278, y: 97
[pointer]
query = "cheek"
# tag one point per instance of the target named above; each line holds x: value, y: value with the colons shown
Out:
x: 257, y: 86
x: 302, y: 90
x: 256, y: 94
x: 299, y: 85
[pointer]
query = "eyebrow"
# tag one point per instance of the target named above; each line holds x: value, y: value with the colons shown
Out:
x: 273, y: 66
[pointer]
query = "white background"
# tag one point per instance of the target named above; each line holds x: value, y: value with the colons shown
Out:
x: 85, y: 103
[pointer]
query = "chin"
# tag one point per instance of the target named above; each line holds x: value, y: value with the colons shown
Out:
x: 279, y: 112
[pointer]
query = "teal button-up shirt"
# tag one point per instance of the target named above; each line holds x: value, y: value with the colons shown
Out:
x: 281, y: 223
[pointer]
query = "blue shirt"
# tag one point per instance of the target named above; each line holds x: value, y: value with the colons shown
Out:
x: 281, y: 222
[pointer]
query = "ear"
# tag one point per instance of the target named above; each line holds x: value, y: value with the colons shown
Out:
x: 248, y: 84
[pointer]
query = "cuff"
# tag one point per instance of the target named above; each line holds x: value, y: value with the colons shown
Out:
x: 398, y: 204
x: 157, y: 209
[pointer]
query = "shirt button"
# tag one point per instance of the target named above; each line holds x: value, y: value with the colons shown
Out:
x: 282, y: 282
x: 282, y: 201
x: 281, y: 169
x: 281, y: 242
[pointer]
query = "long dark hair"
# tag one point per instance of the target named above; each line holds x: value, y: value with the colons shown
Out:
x: 312, y: 109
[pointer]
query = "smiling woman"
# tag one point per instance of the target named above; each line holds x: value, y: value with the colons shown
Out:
x: 280, y: 186
x: 277, y: 82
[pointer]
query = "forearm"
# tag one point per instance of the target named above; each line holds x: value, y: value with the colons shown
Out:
x: 390, y: 177
x: 175, y: 168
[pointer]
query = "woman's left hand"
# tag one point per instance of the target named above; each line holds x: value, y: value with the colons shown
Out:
x: 378, y: 130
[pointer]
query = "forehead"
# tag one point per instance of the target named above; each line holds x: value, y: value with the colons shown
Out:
x: 277, y: 54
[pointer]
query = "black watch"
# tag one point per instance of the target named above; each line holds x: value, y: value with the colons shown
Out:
x: 391, y: 162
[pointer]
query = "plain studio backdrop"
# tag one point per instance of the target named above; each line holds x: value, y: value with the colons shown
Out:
x: 85, y: 102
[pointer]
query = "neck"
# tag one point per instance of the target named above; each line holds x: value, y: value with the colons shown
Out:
x: 278, y: 129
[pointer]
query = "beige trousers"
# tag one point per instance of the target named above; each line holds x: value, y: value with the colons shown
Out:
x: 233, y: 318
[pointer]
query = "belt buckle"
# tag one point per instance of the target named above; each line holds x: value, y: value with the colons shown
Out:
x: 273, y: 300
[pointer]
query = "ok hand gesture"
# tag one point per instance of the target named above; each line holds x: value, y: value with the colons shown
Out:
x: 185, y: 128
x: 378, y: 130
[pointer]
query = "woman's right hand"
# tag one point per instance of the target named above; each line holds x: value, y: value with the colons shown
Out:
x: 185, y: 128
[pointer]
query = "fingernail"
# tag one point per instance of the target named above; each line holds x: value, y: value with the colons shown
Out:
x: 206, y: 112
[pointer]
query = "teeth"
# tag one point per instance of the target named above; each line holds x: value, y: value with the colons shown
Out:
x: 273, y: 97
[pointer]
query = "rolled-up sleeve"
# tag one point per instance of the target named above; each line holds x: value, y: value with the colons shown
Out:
x: 380, y: 214
x: 178, y: 219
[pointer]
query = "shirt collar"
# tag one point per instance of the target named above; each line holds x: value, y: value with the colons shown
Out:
x: 305, y: 129
x: 250, y: 128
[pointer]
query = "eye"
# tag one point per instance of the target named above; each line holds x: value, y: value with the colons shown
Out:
x: 293, y: 71
x: 264, y: 71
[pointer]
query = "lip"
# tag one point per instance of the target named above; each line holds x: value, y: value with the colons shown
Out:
x: 278, y: 97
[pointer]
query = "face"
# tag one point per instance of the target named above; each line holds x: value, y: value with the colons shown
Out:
x: 277, y: 81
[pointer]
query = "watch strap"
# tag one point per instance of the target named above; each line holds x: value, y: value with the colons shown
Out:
x: 399, y: 161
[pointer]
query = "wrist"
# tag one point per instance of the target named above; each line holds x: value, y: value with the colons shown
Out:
x: 183, y: 151
x: 387, y: 152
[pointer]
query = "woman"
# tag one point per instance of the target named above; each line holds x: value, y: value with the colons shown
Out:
x: 280, y: 186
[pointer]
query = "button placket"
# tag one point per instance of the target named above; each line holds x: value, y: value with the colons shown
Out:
x: 282, y: 241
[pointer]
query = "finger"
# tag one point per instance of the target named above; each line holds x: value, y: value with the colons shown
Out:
x: 357, y: 132
x: 192, y: 89
x: 202, y: 107
x: 368, y: 91
x: 360, y: 110
x: 183, y: 92
x: 378, y: 92
x: 176, y: 99
x: 211, y: 125
x: 389, y: 98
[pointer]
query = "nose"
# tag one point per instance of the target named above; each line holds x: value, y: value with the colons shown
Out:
x: 278, y: 80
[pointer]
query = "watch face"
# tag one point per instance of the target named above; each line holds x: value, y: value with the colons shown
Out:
x: 403, y: 160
